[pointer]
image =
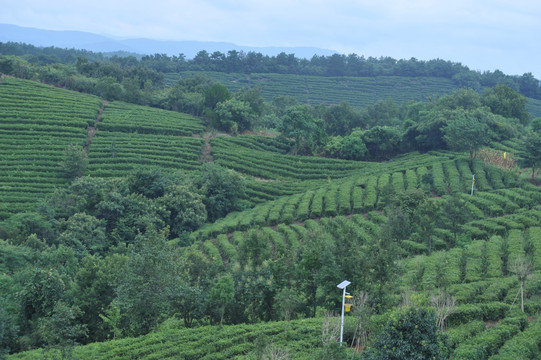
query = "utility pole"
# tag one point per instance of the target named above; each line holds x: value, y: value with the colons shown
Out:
x: 343, y: 286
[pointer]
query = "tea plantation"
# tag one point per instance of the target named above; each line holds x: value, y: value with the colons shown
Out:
x: 259, y: 282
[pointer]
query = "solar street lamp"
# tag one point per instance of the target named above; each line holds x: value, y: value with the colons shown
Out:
x: 343, y: 286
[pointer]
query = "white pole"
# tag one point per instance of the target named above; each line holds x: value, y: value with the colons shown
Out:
x: 343, y: 286
x: 342, y: 326
x: 472, y: 183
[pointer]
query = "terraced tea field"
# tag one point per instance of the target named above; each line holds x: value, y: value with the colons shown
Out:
x: 131, y: 136
x: 358, y: 91
x: 37, y: 124
x: 495, y: 189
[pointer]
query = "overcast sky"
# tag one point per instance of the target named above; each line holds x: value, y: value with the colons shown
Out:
x: 481, y: 34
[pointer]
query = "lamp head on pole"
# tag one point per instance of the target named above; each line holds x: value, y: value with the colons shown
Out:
x: 343, y: 284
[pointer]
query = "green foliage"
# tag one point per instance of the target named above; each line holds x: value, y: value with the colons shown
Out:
x: 222, y: 294
x: 39, y: 124
x: 299, y: 124
x: 85, y: 234
x: 466, y: 133
x: 350, y: 147
x: 62, y: 330
x: 382, y: 142
x: 525, y: 345
x: 223, y: 191
x: 103, y: 256
x: 150, y: 183
x: 411, y: 335
x: 341, y: 119
x: 8, y: 327
x: 150, y: 280
x: 235, y: 116
x: 186, y: 208
x: 505, y: 101
x: 486, y: 343
x: 129, y: 118
x: 18, y: 227
x: 216, y: 94
x: 532, y: 156
x: 74, y: 163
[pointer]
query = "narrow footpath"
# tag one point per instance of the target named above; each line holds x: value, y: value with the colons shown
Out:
x: 92, y: 128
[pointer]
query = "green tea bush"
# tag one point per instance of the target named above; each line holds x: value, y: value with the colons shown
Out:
x: 461, y: 333
x: 370, y: 193
x: 261, y: 214
x: 467, y: 293
x: 331, y: 208
x: 497, y: 290
x: 213, y: 253
x: 384, y: 190
x: 411, y: 180
x: 303, y: 209
x: 495, y: 176
x: 357, y: 198
x: 397, y: 179
x: 317, y: 202
x: 439, y: 181
x: 525, y: 345
x: 481, y: 182
x: 228, y: 249
x: 453, y: 177
x: 344, y: 197
x: 507, y: 204
x: 486, y: 343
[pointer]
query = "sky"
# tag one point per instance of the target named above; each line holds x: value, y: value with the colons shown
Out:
x: 481, y: 34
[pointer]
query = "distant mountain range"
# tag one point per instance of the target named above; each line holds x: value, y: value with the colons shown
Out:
x: 101, y: 43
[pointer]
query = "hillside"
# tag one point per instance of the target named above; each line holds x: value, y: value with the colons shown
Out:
x: 38, y: 122
x: 140, y: 247
x: 359, y: 92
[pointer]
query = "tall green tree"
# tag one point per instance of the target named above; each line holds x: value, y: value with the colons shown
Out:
x: 85, y: 234
x: 503, y: 100
x: 341, y: 119
x: 62, y: 329
x: 74, y: 162
x: 216, y: 94
x: 382, y: 142
x: 466, y: 133
x: 8, y: 327
x: 150, y: 280
x: 221, y: 294
x: 186, y: 209
x: 298, y: 123
x: 223, y: 190
x: 532, y: 151
x: 235, y: 116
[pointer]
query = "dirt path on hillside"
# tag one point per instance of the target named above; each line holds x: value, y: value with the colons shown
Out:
x: 92, y: 128
x: 207, y: 147
x: 205, y: 153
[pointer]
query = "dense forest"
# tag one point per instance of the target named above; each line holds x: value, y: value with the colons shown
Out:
x: 239, y: 62
x: 214, y: 212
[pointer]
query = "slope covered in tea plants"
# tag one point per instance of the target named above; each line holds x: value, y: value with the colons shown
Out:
x: 37, y: 124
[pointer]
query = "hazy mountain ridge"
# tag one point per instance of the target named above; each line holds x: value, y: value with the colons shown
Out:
x: 102, y: 43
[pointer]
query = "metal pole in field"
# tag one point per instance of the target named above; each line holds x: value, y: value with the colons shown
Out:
x: 343, y: 286
x: 342, y: 324
x: 472, y: 183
